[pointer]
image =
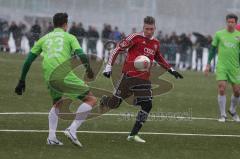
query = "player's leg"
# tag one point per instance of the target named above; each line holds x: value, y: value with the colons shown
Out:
x: 111, y: 102
x: 121, y: 92
x: 234, y: 102
x: 222, y: 78
x: 146, y: 106
x: 53, y: 121
x: 89, y: 101
x: 234, y: 79
x: 222, y: 100
x: 143, y: 94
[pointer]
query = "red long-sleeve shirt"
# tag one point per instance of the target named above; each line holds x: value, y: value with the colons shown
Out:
x: 137, y: 44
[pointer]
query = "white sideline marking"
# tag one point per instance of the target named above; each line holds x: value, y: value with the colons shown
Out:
x: 120, y: 114
x: 124, y: 132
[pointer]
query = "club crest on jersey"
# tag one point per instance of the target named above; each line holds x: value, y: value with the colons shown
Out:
x: 155, y: 46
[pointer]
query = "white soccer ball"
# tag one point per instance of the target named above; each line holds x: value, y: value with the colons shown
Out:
x: 142, y: 63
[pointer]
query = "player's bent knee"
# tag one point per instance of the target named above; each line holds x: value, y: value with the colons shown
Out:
x: 91, y: 100
x: 143, y: 114
x: 236, y: 93
x: 114, y: 102
x: 147, y: 106
x: 145, y: 103
x: 221, y: 90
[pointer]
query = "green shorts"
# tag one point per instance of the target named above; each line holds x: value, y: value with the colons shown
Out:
x: 71, y: 87
x: 230, y: 75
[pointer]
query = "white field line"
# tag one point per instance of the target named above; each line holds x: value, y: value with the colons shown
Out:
x: 120, y: 114
x: 124, y: 132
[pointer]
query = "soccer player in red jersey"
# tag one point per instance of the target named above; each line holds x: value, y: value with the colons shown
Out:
x: 134, y: 82
x: 238, y: 27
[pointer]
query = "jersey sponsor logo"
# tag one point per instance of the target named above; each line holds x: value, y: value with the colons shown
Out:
x: 148, y: 51
x: 229, y: 44
x: 237, y: 38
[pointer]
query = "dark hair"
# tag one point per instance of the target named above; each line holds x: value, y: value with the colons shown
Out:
x: 232, y: 16
x: 59, y: 19
x: 149, y: 20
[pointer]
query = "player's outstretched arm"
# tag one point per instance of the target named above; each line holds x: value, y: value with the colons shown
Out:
x: 211, y: 55
x: 175, y: 73
x: 161, y: 61
x: 20, y: 88
x: 83, y: 57
x: 113, y: 55
x: 121, y: 46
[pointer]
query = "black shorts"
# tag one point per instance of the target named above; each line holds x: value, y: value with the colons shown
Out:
x: 128, y: 86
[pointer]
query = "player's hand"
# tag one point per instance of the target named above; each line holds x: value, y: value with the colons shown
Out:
x: 175, y: 73
x: 207, y: 69
x: 90, y: 73
x: 20, y: 88
x: 107, y: 71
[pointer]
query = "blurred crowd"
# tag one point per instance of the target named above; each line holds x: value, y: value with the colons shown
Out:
x: 177, y: 49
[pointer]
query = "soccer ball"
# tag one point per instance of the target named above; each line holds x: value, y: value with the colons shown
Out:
x: 142, y: 63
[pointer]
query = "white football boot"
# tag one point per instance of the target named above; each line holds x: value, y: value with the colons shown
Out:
x: 222, y: 119
x: 135, y: 138
x: 72, y: 138
x: 235, y: 116
x: 54, y: 141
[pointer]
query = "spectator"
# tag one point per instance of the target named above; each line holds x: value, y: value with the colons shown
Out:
x: 201, y: 42
x: 116, y: 35
x: 35, y: 33
x: 78, y: 31
x: 92, y: 36
x: 184, y: 45
x: 23, y: 28
x: 73, y: 29
x: 44, y: 28
x: 173, y: 47
x: 4, y: 35
x: 174, y: 37
x: 106, y: 32
x: 50, y: 27
x: 16, y: 32
x: 208, y: 46
x: 81, y: 33
x: 159, y: 36
x: 134, y: 30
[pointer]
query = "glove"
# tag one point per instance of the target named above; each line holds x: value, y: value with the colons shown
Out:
x: 90, y: 73
x: 175, y: 73
x: 20, y: 88
x: 107, y: 71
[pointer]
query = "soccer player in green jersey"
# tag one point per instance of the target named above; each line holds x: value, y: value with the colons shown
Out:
x: 56, y: 48
x: 227, y: 43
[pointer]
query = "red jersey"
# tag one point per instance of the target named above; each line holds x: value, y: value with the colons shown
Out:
x: 238, y: 27
x: 137, y: 44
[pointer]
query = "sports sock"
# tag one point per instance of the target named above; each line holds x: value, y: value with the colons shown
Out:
x: 141, y: 118
x: 234, y: 102
x: 222, y: 105
x: 82, y: 112
x: 53, y: 122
